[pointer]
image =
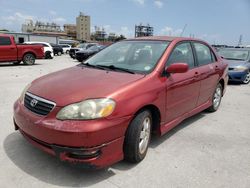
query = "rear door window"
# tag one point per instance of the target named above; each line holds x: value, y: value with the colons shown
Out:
x: 4, y: 41
x: 203, y: 53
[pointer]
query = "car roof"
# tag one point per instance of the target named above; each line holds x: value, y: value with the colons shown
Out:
x: 36, y: 42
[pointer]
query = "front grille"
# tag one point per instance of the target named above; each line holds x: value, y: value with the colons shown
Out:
x: 38, y: 105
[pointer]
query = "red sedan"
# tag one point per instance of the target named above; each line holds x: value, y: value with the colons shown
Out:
x: 105, y: 109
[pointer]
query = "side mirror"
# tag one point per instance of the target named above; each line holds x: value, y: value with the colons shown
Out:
x: 177, y: 68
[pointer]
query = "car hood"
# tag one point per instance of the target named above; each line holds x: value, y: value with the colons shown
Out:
x: 234, y: 63
x: 79, y: 83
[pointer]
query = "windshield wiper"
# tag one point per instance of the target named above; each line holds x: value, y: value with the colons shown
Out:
x: 234, y: 59
x: 93, y: 66
x: 112, y: 67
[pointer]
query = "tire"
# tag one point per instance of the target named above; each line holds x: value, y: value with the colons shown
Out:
x: 29, y: 59
x: 138, y: 137
x: 67, y: 51
x: 80, y: 60
x: 216, y: 99
x: 16, y: 62
x: 47, y: 55
x: 59, y: 53
x: 247, y: 79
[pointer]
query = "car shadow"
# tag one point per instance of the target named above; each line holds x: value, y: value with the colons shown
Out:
x: 20, y: 65
x: 47, y: 168
x: 50, y: 170
x: 156, y: 140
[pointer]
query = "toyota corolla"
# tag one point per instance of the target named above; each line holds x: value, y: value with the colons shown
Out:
x: 105, y: 109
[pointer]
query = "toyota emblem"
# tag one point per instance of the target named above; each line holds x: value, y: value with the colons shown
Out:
x: 33, y: 102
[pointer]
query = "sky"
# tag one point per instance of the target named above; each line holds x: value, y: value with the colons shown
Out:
x: 216, y: 21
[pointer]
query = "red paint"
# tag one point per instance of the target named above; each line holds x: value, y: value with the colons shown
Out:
x: 176, y: 96
x: 16, y: 52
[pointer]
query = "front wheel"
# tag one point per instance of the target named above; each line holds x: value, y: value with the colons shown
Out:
x: 137, y: 137
x: 29, y: 59
x: 59, y: 53
x: 247, y: 79
x: 216, y: 98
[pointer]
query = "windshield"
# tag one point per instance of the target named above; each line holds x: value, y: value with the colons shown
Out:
x: 81, y: 45
x: 136, y: 56
x: 93, y: 48
x: 240, y: 55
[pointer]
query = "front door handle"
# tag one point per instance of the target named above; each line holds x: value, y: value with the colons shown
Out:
x: 196, y: 74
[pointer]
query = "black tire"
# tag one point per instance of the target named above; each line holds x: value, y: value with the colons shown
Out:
x: 216, y: 103
x: 16, y: 62
x: 247, y: 79
x: 29, y: 59
x: 131, y: 148
x: 47, y: 55
x: 80, y: 60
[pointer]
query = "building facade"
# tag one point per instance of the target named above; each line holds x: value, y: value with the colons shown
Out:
x: 70, y: 30
x: 83, y: 27
x: 143, y: 30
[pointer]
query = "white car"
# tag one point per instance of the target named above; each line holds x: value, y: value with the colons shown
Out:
x: 65, y: 47
x: 48, y: 50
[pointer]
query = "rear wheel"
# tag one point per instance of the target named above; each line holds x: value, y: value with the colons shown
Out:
x: 216, y: 98
x: 247, y: 79
x: 137, y: 137
x: 59, y: 53
x: 29, y: 59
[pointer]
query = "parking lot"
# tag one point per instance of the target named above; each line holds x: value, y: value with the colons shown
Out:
x: 207, y: 150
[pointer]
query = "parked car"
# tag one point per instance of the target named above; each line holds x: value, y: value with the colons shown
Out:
x: 85, y: 54
x: 66, y: 48
x: 57, y: 49
x: 48, y: 50
x: 238, y: 60
x: 12, y: 52
x: 108, y: 107
x: 82, y: 46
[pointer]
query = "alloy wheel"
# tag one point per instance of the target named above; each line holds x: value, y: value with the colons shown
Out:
x: 145, y: 135
x: 247, y: 79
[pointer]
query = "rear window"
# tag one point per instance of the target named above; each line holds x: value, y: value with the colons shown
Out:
x: 5, y: 41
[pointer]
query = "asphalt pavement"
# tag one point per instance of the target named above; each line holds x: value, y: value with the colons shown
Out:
x: 207, y: 150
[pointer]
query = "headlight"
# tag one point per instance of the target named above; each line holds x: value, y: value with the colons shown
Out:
x: 24, y: 91
x: 240, y: 68
x: 88, y: 109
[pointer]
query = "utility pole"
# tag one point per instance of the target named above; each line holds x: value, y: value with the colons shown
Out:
x: 184, y: 28
x: 240, y: 40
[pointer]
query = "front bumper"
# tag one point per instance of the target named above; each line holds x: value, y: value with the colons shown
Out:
x: 96, y: 143
x: 237, y: 76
